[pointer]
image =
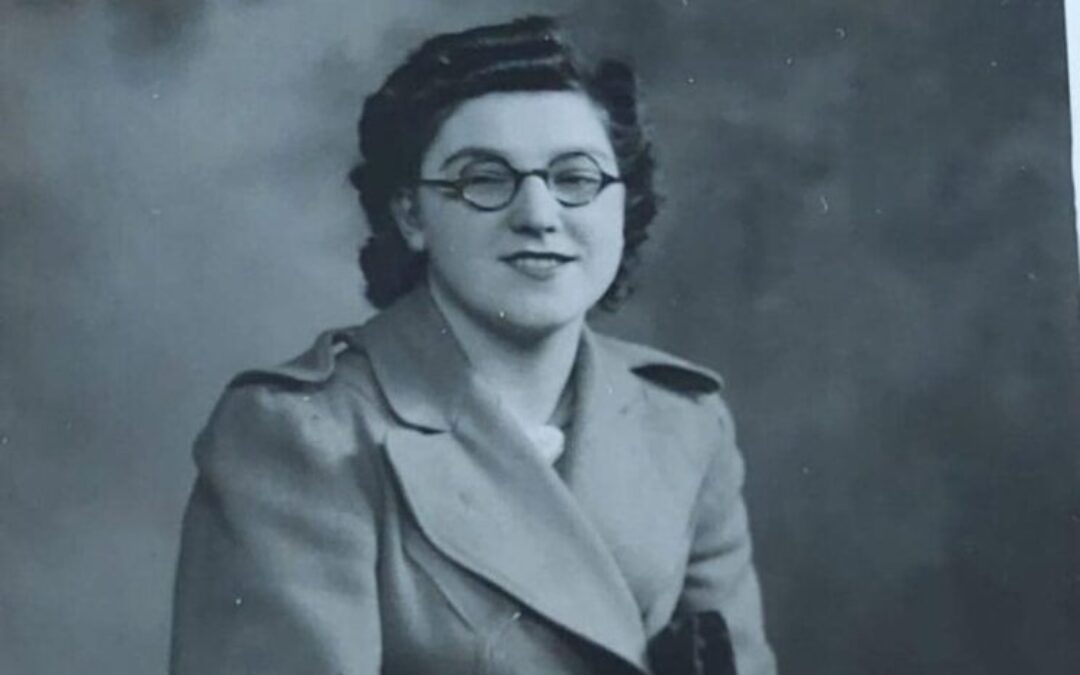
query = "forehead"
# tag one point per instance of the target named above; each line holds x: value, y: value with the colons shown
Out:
x: 528, y: 128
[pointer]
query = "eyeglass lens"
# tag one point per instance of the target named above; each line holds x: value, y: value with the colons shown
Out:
x: 574, y: 180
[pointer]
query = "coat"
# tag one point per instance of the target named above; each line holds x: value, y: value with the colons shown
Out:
x: 369, y: 507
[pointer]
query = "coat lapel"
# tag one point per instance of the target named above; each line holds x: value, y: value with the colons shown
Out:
x: 481, y: 494
x: 634, y: 467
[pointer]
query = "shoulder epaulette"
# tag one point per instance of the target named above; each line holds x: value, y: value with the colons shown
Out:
x: 677, y: 377
x: 313, y: 366
x: 665, y: 370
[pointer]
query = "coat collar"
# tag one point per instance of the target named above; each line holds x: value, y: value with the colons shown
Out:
x: 417, y: 360
x: 420, y: 365
x: 480, y: 492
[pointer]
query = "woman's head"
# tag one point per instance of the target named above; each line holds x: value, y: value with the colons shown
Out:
x: 496, y: 73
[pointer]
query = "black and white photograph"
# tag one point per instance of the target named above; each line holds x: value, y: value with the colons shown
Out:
x: 539, y: 337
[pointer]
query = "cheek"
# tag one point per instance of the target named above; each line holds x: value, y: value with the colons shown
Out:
x: 461, y: 251
x: 448, y: 233
x: 607, y: 240
x: 615, y: 255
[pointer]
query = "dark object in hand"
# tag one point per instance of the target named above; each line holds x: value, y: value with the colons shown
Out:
x: 697, y: 644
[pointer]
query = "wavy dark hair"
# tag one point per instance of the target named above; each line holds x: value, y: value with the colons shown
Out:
x: 400, y: 120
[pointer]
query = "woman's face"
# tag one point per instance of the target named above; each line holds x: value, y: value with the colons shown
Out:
x: 535, y: 265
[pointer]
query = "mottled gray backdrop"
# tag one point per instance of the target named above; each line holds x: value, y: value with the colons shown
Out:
x: 868, y: 229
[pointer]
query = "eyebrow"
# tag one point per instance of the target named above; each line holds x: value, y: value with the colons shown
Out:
x: 481, y: 152
x: 471, y: 152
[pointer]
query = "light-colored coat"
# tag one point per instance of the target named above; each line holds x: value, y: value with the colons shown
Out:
x: 371, y: 508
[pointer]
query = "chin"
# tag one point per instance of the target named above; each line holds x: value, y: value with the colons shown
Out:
x: 518, y: 312
x: 536, y: 320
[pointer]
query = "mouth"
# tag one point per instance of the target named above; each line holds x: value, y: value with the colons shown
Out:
x: 537, y: 263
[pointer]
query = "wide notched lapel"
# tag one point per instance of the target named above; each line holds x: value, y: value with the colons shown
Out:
x: 480, y: 492
x: 633, y: 465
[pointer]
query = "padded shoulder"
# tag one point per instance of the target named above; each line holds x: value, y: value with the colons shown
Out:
x: 315, y: 365
x: 666, y: 370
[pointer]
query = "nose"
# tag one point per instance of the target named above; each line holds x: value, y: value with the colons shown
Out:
x: 535, y: 209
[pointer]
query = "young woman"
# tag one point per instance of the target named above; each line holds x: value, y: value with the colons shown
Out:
x: 474, y: 481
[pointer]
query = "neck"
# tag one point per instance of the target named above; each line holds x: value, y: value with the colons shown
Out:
x: 529, y: 371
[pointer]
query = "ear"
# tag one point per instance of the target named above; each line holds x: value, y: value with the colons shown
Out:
x: 406, y: 213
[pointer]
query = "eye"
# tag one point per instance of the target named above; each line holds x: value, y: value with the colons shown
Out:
x: 485, y: 172
x: 576, y: 178
x: 576, y: 170
x: 484, y: 180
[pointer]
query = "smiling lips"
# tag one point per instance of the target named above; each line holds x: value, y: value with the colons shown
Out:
x: 537, y: 264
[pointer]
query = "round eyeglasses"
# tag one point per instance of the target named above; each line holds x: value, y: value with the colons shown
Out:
x: 490, y: 183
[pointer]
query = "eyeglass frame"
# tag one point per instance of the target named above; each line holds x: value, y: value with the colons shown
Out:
x: 458, y: 185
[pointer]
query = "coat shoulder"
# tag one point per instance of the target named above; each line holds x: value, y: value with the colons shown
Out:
x: 313, y: 393
x: 662, y: 369
x: 314, y: 366
x: 302, y: 412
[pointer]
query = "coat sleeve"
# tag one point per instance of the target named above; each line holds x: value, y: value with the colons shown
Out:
x: 276, y: 572
x: 720, y: 575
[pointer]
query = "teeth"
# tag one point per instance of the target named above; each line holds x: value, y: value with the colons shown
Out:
x: 536, y: 263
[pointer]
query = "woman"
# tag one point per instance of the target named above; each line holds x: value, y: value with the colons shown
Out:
x: 474, y: 481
